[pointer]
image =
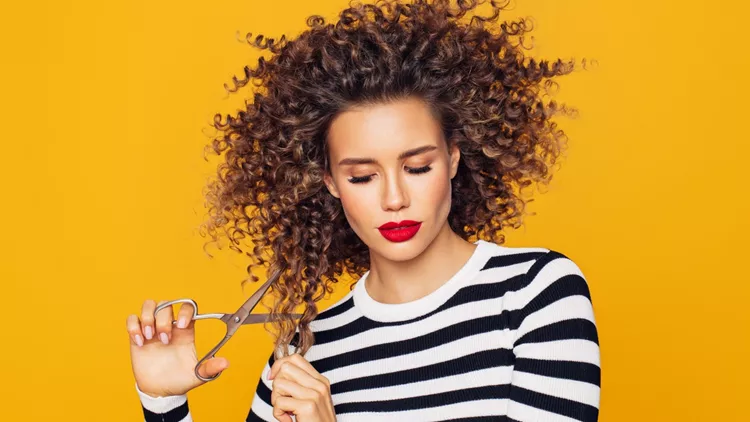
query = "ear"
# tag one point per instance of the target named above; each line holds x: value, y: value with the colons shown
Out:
x: 328, y: 180
x: 455, y: 157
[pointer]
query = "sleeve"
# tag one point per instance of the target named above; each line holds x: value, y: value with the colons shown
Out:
x: 159, y: 409
x: 557, y: 371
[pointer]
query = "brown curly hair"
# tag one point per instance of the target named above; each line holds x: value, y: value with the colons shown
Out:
x: 270, y: 189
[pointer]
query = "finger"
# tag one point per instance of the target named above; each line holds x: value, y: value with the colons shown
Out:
x: 284, y: 416
x: 185, y: 315
x: 292, y: 372
x: 213, y: 366
x: 147, y: 318
x: 134, y: 329
x: 301, y: 362
x: 298, y: 360
x: 286, y: 388
x: 164, y: 323
x: 297, y: 407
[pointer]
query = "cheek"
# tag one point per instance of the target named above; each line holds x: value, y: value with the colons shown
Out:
x: 356, y: 208
x: 436, y: 191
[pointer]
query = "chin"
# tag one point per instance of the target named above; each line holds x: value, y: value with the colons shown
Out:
x: 400, y: 251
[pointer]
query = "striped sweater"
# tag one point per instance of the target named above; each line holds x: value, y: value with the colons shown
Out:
x: 512, y: 335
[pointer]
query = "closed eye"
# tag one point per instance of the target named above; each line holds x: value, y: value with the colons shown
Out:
x: 365, y: 179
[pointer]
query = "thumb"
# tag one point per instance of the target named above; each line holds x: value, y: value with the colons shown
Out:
x: 213, y: 366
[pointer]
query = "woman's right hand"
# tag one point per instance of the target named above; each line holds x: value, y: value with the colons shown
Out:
x: 163, y: 354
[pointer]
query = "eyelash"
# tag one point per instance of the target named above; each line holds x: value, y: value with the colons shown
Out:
x: 365, y: 179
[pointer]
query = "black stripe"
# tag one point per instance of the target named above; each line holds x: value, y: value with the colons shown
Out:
x: 565, y: 286
x: 508, y: 260
x: 264, y: 393
x: 473, y: 362
x: 570, y: 408
x: 335, y: 310
x: 562, y: 369
x: 427, y: 401
x: 175, y: 415
x: 578, y: 328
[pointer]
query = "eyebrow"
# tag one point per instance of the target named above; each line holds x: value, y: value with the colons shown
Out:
x: 405, y: 154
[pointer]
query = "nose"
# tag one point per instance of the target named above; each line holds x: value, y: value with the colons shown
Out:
x: 395, y: 196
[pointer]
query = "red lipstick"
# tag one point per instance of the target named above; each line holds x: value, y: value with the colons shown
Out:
x: 401, y: 231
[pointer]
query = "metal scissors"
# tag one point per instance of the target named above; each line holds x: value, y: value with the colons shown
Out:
x: 234, y: 321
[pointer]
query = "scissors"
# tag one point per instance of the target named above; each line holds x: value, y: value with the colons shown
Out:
x: 234, y: 321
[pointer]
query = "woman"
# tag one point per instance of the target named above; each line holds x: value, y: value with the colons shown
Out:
x: 394, y: 145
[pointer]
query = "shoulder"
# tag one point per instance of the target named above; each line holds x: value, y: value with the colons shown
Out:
x: 554, y: 302
x: 538, y: 262
x: 554, y: 268
x: 538, y: 277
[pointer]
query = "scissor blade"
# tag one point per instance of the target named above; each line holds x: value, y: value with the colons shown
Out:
x: 261, y: 318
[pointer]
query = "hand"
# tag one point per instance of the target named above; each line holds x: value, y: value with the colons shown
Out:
x: 163, y: 355
x: 300, y: 390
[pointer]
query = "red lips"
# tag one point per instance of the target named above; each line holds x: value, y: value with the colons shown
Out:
x: 393, y: 225
x: 401, y: 231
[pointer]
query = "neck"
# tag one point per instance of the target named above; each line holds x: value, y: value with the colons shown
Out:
x: 406, y: 281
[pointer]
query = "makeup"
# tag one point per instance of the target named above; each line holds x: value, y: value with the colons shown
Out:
x: 401, y: 231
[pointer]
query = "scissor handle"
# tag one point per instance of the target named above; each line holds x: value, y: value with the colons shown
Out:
x: 208, y: 356
x: 195, y: 309
x: 196, y: 316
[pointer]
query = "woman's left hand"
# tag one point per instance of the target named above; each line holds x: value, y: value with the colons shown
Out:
x: 300, y: 390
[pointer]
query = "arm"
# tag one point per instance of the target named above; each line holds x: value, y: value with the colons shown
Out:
x: 557, y: 372
x: 159, y: 409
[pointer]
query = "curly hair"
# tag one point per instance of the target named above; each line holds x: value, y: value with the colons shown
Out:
x: 489, y: 99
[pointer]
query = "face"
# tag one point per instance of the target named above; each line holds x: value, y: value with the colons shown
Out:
x: 390, y: 163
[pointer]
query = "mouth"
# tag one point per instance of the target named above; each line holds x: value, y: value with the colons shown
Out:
x: 398, y: 225
x: 401, y: 231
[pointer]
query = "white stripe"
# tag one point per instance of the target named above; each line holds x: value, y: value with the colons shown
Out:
x: 575, y: 350
x: 428, y: 387
x: 466, y: 409
x: 582, y: 392
x: 522, y: 412
x: 262, y: 409
x: 571, y: 307
x: 502, y: 274
x: 500, y: 250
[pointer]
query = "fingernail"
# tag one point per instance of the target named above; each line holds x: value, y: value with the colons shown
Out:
x: 138, y: 340
x: 182, y: 323
x: 164, y: 338
x: 147, y: 331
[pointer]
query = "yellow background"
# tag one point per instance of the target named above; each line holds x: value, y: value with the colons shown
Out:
x: 106, y: 108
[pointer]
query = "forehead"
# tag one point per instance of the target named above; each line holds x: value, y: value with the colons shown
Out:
x: 383, y: 131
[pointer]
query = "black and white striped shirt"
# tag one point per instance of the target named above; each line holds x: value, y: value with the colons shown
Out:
x: 512, y: 335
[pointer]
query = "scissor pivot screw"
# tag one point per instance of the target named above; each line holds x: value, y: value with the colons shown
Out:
x: 236, y: 319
